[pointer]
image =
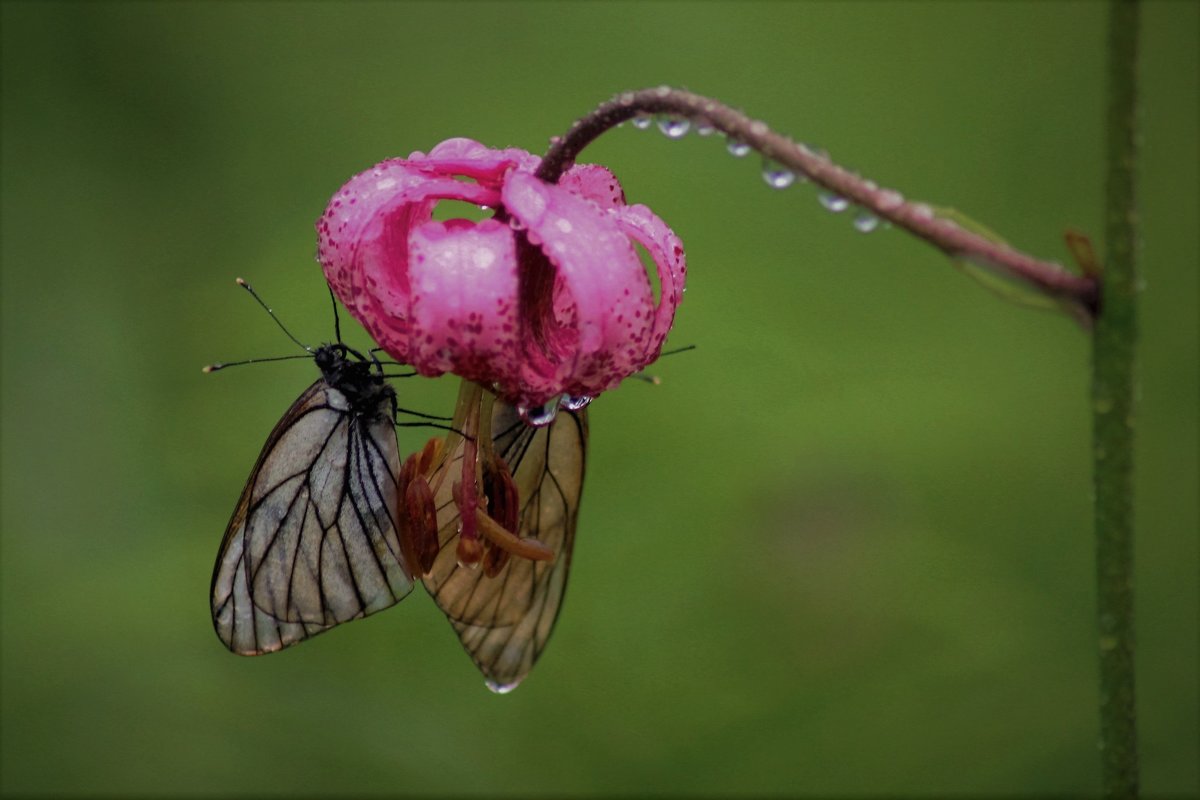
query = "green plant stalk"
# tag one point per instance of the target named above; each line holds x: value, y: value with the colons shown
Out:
x: 1113, y: 344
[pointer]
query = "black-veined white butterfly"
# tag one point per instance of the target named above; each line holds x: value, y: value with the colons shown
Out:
x: 504, y: 615
x: 313, y: 541
x: 316, y: 537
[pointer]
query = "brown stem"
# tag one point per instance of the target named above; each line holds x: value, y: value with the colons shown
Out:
x: 917, y: 218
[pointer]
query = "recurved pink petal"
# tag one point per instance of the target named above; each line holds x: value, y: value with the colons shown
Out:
x: 464, y: 310
x: 350, y: 211
x: 599, y: 269
x: 642, y: 225
x: 362, y: 242
x: 469, y: 158
x: 594, y: 182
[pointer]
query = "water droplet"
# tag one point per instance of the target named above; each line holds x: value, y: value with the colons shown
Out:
x: 833, y: 202
x: 502, y: 688
x: 674, y: 127
x: 704, y: 128
x: 866, y: 222
x: 641, y: 122
x: 539, y: 416
x: 776, y: 175
x: 573, y: 402
x: 890, y: 199
x: 737, y: 148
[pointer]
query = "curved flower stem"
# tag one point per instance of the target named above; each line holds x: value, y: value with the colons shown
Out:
x: 1113, y: 380
x: 1081, y: 292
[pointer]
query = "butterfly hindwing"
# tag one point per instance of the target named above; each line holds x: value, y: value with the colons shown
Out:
x: 313, y: 541
x: 504, y: 621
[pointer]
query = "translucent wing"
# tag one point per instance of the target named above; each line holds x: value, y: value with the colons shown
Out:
x: 313, y: 541
x: 504, y: 621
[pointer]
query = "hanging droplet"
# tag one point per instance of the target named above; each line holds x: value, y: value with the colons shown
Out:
x: 641, y: 122
x: 539, y: 416
x: 674, y: 127
x: 776, y: 175
x: 866, y: 222
x: 501, y: 688
x: 704, y: 128
x: 572, y: 402
x: 833, y: 202
x: 737, y: 148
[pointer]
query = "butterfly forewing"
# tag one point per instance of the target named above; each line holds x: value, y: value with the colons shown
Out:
x: 504, y: 621
x: 313, y: 542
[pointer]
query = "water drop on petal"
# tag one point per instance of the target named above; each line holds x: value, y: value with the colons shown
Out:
x: 574, y: 402
x: 539, y: 416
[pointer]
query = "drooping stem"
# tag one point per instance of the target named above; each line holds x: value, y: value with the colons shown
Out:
x: 917, y: 218
x: 1113, y: 342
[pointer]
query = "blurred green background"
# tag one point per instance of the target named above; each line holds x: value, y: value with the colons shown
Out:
x: 844, y: 548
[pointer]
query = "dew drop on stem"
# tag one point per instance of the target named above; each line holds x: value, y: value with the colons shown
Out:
x: 776, y: 175
x: 737, y: 148
x: 833, y: 202
x: 865, y: 222
x: 674, y: 127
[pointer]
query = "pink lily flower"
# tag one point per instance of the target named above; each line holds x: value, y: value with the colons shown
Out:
x: 547, y: 298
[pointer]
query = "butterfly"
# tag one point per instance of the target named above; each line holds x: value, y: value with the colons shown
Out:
x: 316, y: 538
x: 504, y: 616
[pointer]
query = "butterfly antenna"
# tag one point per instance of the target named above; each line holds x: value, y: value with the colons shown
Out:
x: 677, y: 350
x: 288, y: 333
x: 337, y: 322
x: 224, y: 364
x: 654, y: 380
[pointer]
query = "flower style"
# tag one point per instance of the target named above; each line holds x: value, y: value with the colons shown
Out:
x: 548, y: 297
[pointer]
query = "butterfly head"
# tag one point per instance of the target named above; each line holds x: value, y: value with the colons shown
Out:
x: 352, y: 374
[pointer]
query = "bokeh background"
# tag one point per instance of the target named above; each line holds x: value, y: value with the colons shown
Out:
x: 844, y: 548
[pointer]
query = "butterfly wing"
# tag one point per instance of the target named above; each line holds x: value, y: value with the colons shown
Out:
x: 313, y: 540
x: 504, y: 621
